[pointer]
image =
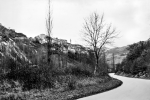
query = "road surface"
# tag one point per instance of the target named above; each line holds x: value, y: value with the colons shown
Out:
x: 131, y: 89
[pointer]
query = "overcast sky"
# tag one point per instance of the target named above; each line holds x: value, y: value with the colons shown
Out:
x: 130, y: 17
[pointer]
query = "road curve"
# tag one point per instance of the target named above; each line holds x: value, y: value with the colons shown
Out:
x: 131, y: 89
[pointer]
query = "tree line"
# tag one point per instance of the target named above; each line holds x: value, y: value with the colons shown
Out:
x: 137, y: 60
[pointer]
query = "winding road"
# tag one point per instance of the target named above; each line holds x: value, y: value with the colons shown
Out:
x: 131, y: 89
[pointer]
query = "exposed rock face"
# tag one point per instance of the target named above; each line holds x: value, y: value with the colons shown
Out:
x: 9, y: 48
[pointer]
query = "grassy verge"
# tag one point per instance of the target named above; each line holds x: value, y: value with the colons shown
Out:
x: 91, y: 90
x: 51, y: 94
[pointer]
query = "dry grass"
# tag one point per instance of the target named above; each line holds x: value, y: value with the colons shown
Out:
x: 53, y: 94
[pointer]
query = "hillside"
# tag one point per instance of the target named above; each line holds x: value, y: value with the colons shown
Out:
x: 119, y: 54
x: 137, y: 62
x: 9, y: 50
x: 21, y: 51
x: 24, y: 68
x: 27, y: 49
x: 20, y: 54
x: 118, y: 50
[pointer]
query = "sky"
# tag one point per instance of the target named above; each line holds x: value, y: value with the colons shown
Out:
x: 131, y: 18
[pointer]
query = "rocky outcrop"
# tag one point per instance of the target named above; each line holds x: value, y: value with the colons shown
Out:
x: 9, y: 49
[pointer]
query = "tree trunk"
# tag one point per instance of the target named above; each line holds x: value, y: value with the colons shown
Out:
x: 96, y: 66
x: 49, y: 46
x: 95, y: 70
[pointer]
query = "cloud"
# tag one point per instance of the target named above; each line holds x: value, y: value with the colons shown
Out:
x: 131, y: 18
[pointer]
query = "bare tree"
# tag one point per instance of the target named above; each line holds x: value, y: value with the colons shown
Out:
x: 97, y: 34
x: 49, y: 26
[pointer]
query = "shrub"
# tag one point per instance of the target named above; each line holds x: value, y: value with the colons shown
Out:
x: 10, y: 86
x: 87, y: 82
x: 71, y: 85
x: 32, y: 77
x: 138, y: 58
x: 14, y: 96
x: 80, y: 72
x: 66, y: 81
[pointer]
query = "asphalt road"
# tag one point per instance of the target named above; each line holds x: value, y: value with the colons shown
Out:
x: 131, y: 89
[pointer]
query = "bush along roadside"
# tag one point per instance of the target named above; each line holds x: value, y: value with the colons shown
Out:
x: 42, y: 83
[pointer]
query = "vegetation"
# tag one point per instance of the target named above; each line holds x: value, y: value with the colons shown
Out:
x: 65, y: 95
x: 137, y: 61
x: 97, y: 35
x: 49, y: 27
x: 24, y: 68
x: 28, y: 65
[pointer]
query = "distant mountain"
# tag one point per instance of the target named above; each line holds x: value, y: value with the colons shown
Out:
x: 118, y: 50
x: 119, y: 54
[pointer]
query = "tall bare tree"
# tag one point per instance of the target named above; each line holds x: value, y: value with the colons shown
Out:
x: 49, y: 27
x: 97, y: 34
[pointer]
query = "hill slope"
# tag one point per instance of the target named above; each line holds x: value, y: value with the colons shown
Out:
x: 119, y: 54
x: 137, y: 60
